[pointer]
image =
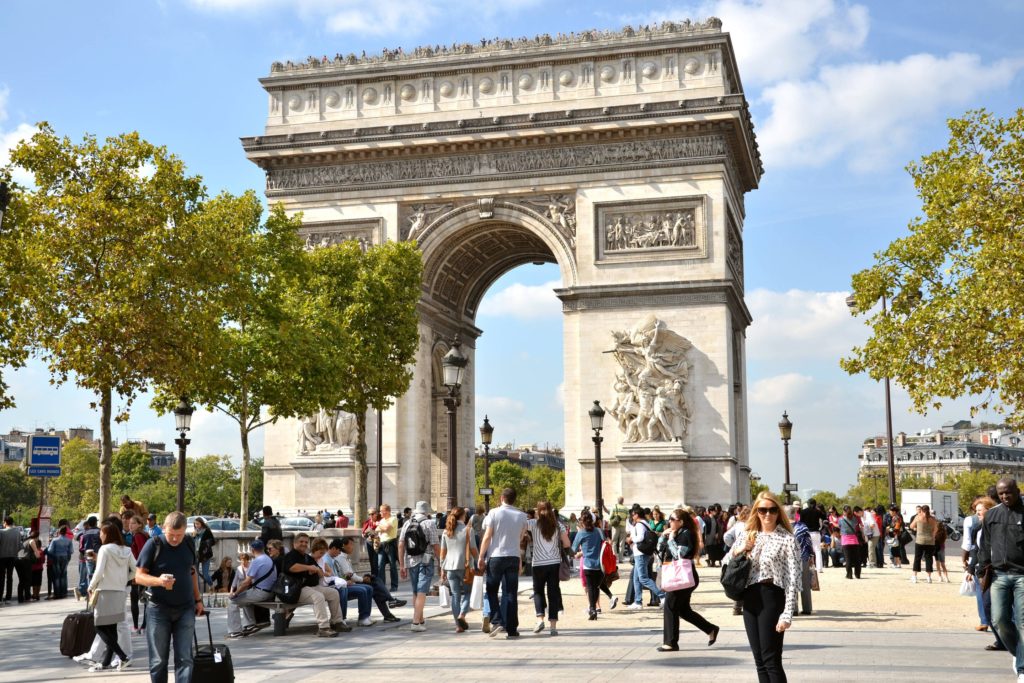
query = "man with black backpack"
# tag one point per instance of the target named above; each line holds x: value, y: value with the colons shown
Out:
x: 166, y: 566
x: 644, y: 542
x: 418, y: 544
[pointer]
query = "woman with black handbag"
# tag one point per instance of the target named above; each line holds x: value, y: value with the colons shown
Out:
x: 681, y: 542
x: 770, y: 598
x: 549, y: 539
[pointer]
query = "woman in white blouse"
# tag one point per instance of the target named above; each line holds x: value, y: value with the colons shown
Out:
x: 773, y: 585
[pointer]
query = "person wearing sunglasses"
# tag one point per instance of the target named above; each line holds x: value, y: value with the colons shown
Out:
x: 770, y: 598
x: 681, y: 541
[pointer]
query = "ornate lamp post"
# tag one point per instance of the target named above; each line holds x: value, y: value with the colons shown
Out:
x: 851, y: 302
x: 597, y: 423
x: 453, y: 366
x: 786, y: 430
x: 486, y: 434
x: 182, y: 422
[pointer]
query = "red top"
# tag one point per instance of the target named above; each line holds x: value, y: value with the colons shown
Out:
x: 138, y: 540
x: 341, y: 523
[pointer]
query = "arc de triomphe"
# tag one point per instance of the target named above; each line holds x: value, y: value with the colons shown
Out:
x: 623, y: 157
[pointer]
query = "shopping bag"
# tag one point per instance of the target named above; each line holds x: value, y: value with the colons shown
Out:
x: 476, y: 595
x: 677, y: 575
x: 444, y: 596
x: 815, y: 584
x: 968, y: 588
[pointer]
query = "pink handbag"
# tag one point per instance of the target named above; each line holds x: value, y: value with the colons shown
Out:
x: 677, y: 575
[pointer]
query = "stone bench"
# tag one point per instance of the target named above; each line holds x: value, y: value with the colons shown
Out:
x: 277, y: 610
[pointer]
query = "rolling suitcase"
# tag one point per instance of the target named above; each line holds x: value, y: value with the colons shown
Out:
x: 77, y: 634
x: 211, y: 662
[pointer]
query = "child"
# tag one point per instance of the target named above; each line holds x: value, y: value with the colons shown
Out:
x: 90, y: 564
x: 244, y: 560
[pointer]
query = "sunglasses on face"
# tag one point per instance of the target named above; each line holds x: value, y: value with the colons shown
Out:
x: 768, y: 511
x: 674, y: 519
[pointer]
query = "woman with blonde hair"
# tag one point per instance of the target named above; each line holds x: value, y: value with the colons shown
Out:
x: 773, y: 584
x: 458, y: 546
x: 681, y: 542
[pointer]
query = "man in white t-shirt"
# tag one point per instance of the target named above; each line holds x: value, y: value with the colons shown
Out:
x: 504, y: 527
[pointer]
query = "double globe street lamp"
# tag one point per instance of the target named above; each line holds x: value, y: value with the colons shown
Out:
x: 453, y: 367
x: 182, y: 422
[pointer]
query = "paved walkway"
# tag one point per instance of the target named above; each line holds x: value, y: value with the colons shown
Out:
x: 895, y: 638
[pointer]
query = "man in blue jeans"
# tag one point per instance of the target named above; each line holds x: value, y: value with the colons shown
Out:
x: 1001, y: 552
x: 167, y: 566
x: 641, y: 578
x: 504, y: 527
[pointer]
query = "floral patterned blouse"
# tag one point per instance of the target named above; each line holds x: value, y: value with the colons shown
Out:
x: 776, y: 558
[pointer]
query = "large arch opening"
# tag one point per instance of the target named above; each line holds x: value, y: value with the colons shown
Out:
x: 514, y: 336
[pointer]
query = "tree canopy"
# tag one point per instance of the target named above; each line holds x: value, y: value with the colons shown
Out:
x: 955, y: 285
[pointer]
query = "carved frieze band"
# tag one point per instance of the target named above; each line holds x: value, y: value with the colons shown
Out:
x: 674, y: 228
x: 328, y: 233
x: 644, y: 301
x: 493, y: 165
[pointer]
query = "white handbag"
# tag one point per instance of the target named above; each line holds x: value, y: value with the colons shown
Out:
x: 476, y: 594
x: 444, y: 596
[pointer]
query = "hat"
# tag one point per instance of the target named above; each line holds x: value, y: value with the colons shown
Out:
x: 152, y: 515
x: 256, y: 544
x: 422, y: 507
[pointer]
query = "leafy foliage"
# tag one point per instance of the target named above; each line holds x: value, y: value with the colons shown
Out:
x: 531, y: 484
x: 131, y: 470
x: 75, y: 493
x: 955, y: 284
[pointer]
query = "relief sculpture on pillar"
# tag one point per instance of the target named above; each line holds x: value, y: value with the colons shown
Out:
x: 649, y: 386
x: 327, y: 431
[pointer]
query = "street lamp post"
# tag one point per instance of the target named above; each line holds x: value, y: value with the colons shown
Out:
x: 380, y: 458
x: 453, y: 366
x: 597, y: 423
x: 786, y: 430
x: 486, y: 434
x: 182, y: 422
x: 851, y: 302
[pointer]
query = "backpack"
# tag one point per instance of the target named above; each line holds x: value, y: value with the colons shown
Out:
x: 649, y: 543
x: 415, y: 538
x: 615, y: 521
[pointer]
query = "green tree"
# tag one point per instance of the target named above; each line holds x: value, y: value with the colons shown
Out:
x: 971, y: 484
x: 161, y: 495
x: 211, y: 485
x: 756, y: 487
x: 132, y: 469
x: 955, y: 323
x: 123, y: 275
x: 262, y: 350
x: 829, y: 499
x: 75, y: 493
x: 17, y: 489
x: 15, y: 276
x: 255, y: 487
x: 365, y: 304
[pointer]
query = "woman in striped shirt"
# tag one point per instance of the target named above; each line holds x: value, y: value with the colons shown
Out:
x: 549, y: 538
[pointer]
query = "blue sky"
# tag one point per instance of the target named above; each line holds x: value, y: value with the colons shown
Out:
x: 843, y: 95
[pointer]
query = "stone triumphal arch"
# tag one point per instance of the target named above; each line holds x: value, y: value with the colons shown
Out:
x: 623, y: 157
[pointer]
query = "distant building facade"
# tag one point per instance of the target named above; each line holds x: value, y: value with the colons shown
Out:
x: 956, y: 447
x: 14, y: 444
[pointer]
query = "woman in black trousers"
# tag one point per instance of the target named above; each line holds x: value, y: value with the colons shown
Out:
x: 772, y: 587
x: 682, y: 542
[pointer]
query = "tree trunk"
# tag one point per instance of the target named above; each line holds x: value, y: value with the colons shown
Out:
x: 244, y: 476
x: 361, y: 470
x: 106, y: 452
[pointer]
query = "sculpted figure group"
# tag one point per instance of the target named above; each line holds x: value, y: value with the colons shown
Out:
x: 327, y: 428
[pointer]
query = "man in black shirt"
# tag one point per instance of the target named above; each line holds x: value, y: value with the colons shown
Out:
x: 271, y: 526
x: 326, y: 601
x: 167, y: 567
x: 1001, y: 551
x: 811, y: 519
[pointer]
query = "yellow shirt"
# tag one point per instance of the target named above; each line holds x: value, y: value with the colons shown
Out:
x: 387, y: 529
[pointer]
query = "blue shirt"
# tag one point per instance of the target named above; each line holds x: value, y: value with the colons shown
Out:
x: 154, y: 531
x: 591, y: 542
x: 262, y: 564
x: 60, y: 546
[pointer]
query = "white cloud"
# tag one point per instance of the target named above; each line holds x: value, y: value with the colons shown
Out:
x: 777, y: 39
x: 868, y: 112
x: 9, y: 138
x: 526, y: 302
x: 799, y: 324
x: 560, y: 395
x: 780, y: 389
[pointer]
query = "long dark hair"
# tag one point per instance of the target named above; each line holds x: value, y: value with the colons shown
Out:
x: 109, y: 533
x: 546, y: 522
x: 587, y: 520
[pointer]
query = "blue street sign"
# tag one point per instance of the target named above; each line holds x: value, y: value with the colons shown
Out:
x: 44, y: 471
x: 44, y: 451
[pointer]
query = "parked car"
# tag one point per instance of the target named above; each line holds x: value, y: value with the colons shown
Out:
x: 229, y: 524
x: 190, y: 527
x: 297, y: 524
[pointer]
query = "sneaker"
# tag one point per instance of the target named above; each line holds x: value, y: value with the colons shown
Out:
x: 82, y: 658
x: 539, y: 627
x: 495, y: 630
x: 341, y: 626
x: 236, y: 634
x: 261, y: 625
x: 511, y: 636
x: 396, y: 603
x: 391, y: 619
x: 98, y: 667
x: 913, y: 579
x: 486, y: 626
x: 367, y: 622
x: 615, y: 602
x: 249, y: 630
x: 326, y: 633
x: 929, y: 579
x: 123, y: 664
x: 635, y: 606
x: 553, y: 631
x: 419, y: 628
